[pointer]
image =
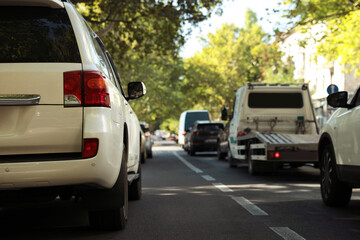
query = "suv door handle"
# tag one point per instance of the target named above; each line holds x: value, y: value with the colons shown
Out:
x: 19, y: 99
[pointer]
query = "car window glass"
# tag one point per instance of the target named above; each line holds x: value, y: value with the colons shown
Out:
x: 103, y: 61
x: 116, y: 73
x: 192, y: 117
x: 37, y: 34
x: 210, y: 127
x: 100, y: 54
x: 275, y: 100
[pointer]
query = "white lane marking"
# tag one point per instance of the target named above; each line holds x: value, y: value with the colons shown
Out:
x: 208, y: 178
x: 249, y: 206
x: 222, y: 187
x: 286, y: 233
x: 192, y: 167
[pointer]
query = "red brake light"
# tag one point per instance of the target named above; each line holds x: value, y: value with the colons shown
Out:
x: 272, y: 155
x: 241, y: 134
x: 72, y: 88
x: 95, y: 90
x: 90, y: 147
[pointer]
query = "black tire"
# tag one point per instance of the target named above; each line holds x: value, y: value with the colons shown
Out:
x: 149, y: 155
x: 143, y: 157
x: 114, y: 218
x: 334, y: 193
x: 192, y: 151
x: 220, y: 155
x: 135, y: 188
x: 231, y: 160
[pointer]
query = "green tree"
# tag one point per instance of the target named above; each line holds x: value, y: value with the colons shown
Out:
x: 144, y: 38
x: 341, y: 17
x: 232, y: 57
x: 144, y: 26
x: 163, y: 80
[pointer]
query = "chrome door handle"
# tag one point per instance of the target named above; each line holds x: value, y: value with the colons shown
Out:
x: 19, y: 99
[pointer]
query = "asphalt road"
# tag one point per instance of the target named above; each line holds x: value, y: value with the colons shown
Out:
x: 200, y: 197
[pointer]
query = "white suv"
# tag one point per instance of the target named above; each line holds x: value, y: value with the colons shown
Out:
x: 339, y: 149
x: 66, y: 127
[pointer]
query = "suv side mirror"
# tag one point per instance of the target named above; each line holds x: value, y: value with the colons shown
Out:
x: 338, y: 99
x: 224, y: 114
x: 136, y: 90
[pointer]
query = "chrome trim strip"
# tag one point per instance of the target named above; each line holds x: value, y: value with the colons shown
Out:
x: 19, y: 99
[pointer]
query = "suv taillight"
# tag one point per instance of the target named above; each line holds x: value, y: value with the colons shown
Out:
x: 72, y: 88
x: 95, y: 90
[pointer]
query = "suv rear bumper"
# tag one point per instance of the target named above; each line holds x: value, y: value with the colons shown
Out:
x: 93, y: 171
x: 99, y: 171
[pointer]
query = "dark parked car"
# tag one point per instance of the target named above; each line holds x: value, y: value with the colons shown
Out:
x: 202, y: 137
x: 148, y: 141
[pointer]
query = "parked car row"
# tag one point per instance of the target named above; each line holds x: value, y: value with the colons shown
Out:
x: 67, y: 129
x: 273, y: 124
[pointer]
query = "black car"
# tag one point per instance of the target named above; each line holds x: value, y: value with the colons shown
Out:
x: 202, y: 137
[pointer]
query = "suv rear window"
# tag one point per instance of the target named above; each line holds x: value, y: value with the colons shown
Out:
x: 275, y: 100
x: 36, y: 34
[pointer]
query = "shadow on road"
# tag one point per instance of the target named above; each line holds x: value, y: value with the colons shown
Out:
x: 53, y: 220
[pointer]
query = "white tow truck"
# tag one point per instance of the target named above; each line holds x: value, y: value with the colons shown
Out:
x: 272, y: 124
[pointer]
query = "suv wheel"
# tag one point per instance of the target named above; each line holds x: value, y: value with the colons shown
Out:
x: 334, y: 193
x: 114, y: 218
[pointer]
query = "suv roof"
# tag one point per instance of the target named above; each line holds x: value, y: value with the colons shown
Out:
x: 34, y: 3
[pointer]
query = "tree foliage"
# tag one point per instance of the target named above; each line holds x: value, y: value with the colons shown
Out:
x: 144, y: 38
x: 144, y: 26
x: 341, y: 17
x: 162, y: 77
x: 232, y: 57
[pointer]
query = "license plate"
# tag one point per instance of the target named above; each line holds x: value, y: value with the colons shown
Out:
x: 210, y: 140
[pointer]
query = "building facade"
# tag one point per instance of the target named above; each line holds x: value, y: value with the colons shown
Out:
x: 300, y: 48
